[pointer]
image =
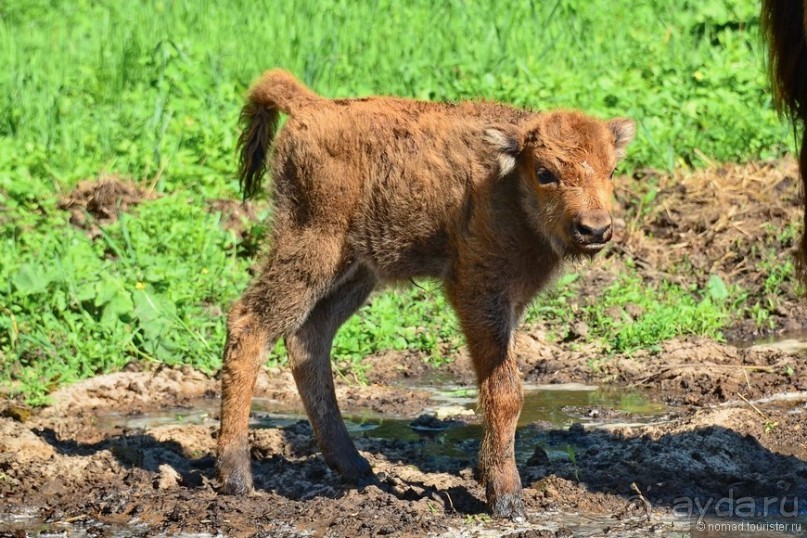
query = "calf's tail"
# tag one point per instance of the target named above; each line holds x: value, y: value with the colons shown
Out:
x: 275, y: 92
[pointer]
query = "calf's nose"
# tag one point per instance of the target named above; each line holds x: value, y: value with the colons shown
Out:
x: 593, y: 227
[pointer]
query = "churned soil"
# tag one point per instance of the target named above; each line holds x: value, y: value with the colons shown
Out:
x: 108, y: 455
x: 96, y: 202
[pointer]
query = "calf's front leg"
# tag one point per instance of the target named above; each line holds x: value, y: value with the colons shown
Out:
x: 487, y: 321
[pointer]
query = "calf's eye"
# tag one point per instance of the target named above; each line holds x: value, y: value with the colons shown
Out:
x: 612, y: 174
x: 545, y: 177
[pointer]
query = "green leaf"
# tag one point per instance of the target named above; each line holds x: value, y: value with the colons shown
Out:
x: 31, y: 279
x: 118, y: 306
x: 567, y: 279
x: 105, y: 290
x: 155, y: 319
x: 717, y: 289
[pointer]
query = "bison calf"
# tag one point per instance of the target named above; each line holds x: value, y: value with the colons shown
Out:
x: 487, y: 198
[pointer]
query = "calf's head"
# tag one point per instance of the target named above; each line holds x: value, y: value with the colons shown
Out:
x: 565, y: 164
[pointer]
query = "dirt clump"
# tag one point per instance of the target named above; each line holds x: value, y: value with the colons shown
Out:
x: 236, y: 216
x: 248, y: 221
x: 97, y: 202
x: 693, y: 371
x: 134, y: 393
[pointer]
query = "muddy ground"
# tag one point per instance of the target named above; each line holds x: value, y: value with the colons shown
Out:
x: 693, y: 427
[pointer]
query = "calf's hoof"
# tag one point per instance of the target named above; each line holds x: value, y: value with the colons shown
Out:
x: 235, y: 478
x: 354, y: 469
x: 235, y: 486
x: 508, y: 506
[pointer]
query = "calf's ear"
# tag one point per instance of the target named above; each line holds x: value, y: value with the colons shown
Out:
x: 624, y: 130
x: 507, y: 144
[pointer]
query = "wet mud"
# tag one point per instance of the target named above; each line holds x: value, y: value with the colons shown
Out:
x: 132, y: 453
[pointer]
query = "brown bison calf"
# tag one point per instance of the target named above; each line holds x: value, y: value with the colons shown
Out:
x: 487, y: 198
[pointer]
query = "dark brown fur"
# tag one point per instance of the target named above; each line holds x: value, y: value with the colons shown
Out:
x: 386, y: 189
x: 785, y: 27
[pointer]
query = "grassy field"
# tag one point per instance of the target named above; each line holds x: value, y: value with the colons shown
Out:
x: 151, y: 91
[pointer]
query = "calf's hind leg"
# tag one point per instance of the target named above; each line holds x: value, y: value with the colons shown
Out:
x: 310, y: 358
x: 298, y: 273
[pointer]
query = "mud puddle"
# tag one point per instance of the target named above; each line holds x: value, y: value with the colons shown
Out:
x: 449, y: 422
x: 31, y: 525
x: 794, y: 342
x: 446, y: 435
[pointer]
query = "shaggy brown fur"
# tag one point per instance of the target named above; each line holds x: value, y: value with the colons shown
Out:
x: 487, y: 198
x: 785, y: 28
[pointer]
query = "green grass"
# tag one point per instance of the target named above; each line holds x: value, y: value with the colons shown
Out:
x: 661, y: 312
x: 152, y: 90
x: 140, y: 87
x: 631, y: 314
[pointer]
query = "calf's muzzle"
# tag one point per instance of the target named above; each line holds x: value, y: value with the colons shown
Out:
x: 592, y: 229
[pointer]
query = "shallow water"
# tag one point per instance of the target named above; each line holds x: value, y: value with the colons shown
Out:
x: 546, y: 407
x: 788, y: 342
x: 556, y: 405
